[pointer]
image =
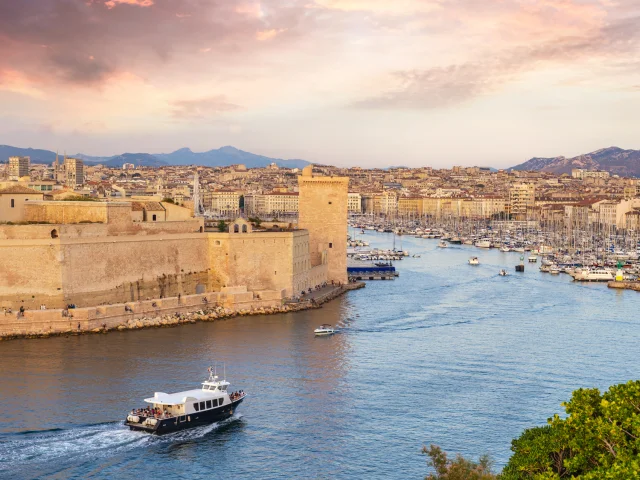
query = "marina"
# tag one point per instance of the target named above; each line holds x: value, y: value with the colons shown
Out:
x: 464, y: 345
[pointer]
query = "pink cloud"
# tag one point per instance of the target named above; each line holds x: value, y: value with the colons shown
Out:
x: 141, y: 3
x: 265, y: 35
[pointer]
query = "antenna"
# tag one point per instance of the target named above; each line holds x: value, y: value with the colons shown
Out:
x: 224, y: 366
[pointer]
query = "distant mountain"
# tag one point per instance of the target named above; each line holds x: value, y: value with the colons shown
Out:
x: 213, y: 158
x: 614, y: 160
x: 37, y: 156
x: 226, y: 156
x: 138, y: 159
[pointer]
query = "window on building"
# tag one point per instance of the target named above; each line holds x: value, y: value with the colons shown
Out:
x: 154, y: 218
x: 13, y: 203
x: 330, y: 245
x: 208, y: 403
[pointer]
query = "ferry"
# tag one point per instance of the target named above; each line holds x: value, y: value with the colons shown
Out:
x: 169, y: 412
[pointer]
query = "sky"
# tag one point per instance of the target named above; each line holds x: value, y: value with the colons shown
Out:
x: 344, y: 82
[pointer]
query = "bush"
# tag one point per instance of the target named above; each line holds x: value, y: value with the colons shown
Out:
x: 458, y: 469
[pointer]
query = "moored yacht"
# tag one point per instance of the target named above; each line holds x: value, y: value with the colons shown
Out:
x: 484, y: 243
x: 169, y: 412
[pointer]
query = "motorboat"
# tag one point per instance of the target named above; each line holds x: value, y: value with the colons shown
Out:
x: 484, y: 243
x: 593, y: 275
x: 323, y: 330
x: 169, y: 412
x: 474, y: 261
x: 503, y: 273
x: 533, y: 258
x: 554, y: 270
x: 443, y: 244
x: 505, y: 249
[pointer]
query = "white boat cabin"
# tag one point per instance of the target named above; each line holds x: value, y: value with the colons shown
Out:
x: 213, y: 394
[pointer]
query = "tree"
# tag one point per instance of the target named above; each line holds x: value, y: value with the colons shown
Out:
x: 598, y: 440
x: 458, y: 469
x: 167, y: 200
x: 255, y: 220
x: 222, y: 226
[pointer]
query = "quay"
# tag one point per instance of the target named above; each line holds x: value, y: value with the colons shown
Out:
x: 230, y: 302
x: 625, y: 285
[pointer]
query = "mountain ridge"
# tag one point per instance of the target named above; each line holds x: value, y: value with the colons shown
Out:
x: 615, y: 160
x: 221, y: 157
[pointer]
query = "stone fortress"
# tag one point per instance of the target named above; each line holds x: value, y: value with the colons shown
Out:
x: 103, y: 253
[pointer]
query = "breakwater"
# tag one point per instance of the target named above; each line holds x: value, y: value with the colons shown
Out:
x: 625, y: 285
x: 165, y: 312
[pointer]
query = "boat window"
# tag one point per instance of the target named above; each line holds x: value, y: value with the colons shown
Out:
x: 208, y: 403
x: 223, y: 387
x: 220, y: 400
x: 202, y: 406
x: 195, y: 406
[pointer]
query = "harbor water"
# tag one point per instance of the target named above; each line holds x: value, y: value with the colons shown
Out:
x: 447, y: 353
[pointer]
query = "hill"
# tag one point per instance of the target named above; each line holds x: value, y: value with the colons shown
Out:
x: 226, y: 156
x: 614, y: 160
x: 220, y: 157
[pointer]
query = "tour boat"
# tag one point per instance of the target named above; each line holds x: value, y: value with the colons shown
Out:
x: 474, y: 261
x: 169, y: 412
x: 324, y: 329
x: 442, y: 244
x: 595, y: 275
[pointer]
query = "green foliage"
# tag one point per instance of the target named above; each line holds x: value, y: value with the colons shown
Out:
x: 222, y: 226
x: 458, y: 469
x: 79, y: 198
x: 255, y: 220
x: 599, y: 439
x: 168, y: 200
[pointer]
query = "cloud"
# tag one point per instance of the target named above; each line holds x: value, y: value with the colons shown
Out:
x: 265, y: 35
x: 202, y: 108
x: 140, y: 3
x: 125, y: 35
x: 444, y: 86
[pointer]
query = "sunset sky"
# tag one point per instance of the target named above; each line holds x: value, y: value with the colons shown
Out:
x: 346, y: 82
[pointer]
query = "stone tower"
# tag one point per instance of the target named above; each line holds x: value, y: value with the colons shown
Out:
x: 323, y: 212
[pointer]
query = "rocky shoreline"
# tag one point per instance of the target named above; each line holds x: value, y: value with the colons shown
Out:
x: 211, y: 314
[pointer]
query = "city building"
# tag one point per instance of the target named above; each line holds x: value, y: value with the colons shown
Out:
x: 74, y: 172
x: 19, y: 167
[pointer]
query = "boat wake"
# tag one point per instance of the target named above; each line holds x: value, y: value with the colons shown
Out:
x: 90, y: 441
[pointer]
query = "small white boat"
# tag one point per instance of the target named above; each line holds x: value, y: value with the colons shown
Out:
x: 503, y: 273
x: 324, y: 329
x: 533, y: 258
x: 443, y: 244
x: 554, y: 270
x: 474, y: 261
x: 505, y: 249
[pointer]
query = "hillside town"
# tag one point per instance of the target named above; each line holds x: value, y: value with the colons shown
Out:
x: 583, y: 198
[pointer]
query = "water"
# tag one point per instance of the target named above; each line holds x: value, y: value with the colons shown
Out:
x: 448, y: 353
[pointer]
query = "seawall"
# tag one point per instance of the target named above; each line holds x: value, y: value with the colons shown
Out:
x: 625, y: 285
x: 231, y: 302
